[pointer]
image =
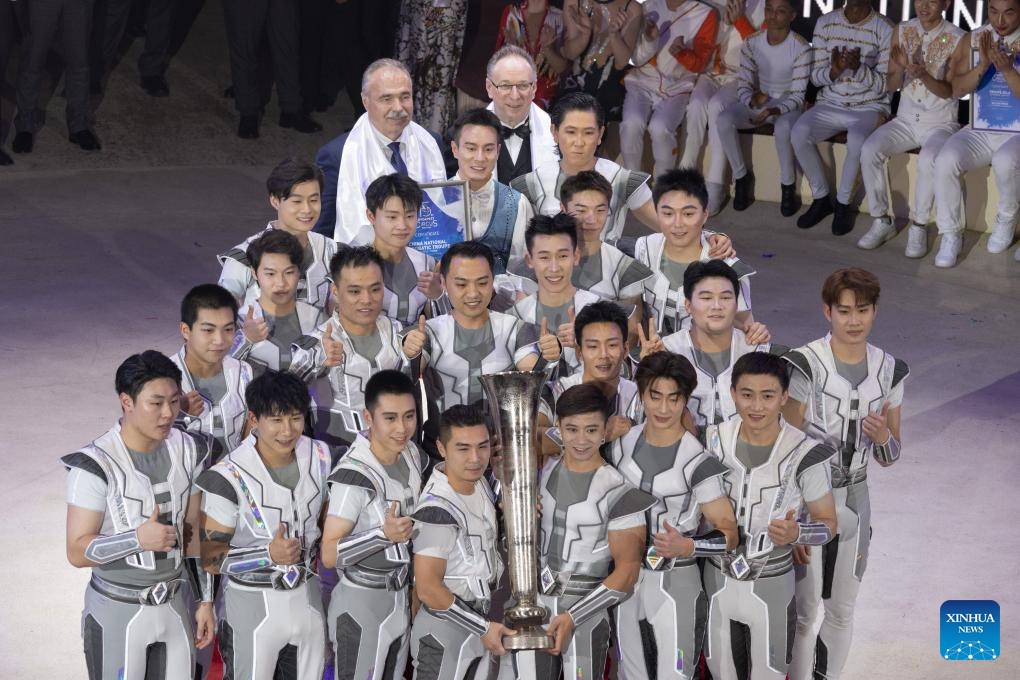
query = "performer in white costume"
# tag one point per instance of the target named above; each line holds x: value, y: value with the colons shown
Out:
x: 131, y: 504
x: 847, y: 393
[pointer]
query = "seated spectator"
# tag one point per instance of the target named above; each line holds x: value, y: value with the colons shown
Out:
x: 538, y: 29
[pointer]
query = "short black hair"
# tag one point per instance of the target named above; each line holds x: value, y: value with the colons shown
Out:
x: 586, y: 180
x: 288, y: 174
x: 583, y: 398
x: 602, y: 311
x: 387, y: 382
x: 206, y: 296
x: 687, y: 180
x: 577, y: 101
x: 139, y: 369
x: 675, y: 367
x: 459, y: 415
x: 466, y: 249
x: 401, y: 186
x: 277, y: 242
x: 698, y: 271
x: 277, y: 393
x: 353, y: 256
x: 480, y: 117
x: 761, y: 363
x: 544, y: 225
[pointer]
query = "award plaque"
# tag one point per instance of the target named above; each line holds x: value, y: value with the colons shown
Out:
x: 444, y: 218
x: 993, y: 106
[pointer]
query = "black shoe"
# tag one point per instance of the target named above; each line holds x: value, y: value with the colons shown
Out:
x: 843, y: 220
x: 743, y: 192
x: 23, y: 142
x: 789, y: 204
x: 300, y: 121
x: 86, y: 139
x: 5, y: 159
x: 819, y: 210
x: 248, y: 128
x: 155, y: 86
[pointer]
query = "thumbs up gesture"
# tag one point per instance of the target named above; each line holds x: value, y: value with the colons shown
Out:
x: 255, y: 330
x: 671, y: 543
x: 548, y: 345
x: 784, y: 531
x: 650, y: 343
x: 876, y: 425
x: 431, y: 283
x: 566, y: 330
x: 396, y: 528
x: 415, y: 339
x: 332, y: 348
x: 155, y: 536
x: 283, y: 550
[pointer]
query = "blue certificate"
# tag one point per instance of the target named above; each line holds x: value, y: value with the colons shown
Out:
x: 993, y: 106
x: 444, y: 218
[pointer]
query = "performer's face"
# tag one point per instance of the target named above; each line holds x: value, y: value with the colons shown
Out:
x: 664, y: 404
x: 591, y: 210
x: 603, y: 348
x: 392, y: 422
x: 468, y: 283
x: 394, y: 222
x: 759, y: 398
x: 851, y: 319
x: 277, y: 434
x: 299, y: 212
x: 152, y: 412
x: 681, y: 218
x: 713, y: 305
x: 210, y: 337
x: 466, y: 453
x: 278, y: 278
x: 511, y: 104
x: 476, y: 151
x: 1004, y: 16
x: 359, y: 294
x: 387, y: 100
x: 779, y: 14
x: 930, y: 11
x: 553, y: 259
x: 582, y: 435
x: 578, y: 136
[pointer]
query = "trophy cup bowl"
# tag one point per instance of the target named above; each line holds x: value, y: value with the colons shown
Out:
x: 512, y: 399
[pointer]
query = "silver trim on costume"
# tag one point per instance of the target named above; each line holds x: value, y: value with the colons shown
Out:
x: 106, y: 549
x: 813, y: 533
x: 593, y: 603
x: 242, y: 560
x: 888, y: 453
x: 203, y: 581
x: 712, y: 543
x: 352, y: 549
x: 461, y: 614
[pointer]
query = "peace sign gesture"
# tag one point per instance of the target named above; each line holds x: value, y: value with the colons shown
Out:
x: 651, y: 343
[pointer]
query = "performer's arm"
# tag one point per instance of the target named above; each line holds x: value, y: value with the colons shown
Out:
x: 215, y: 543
x: 964, y: 75
x: 83, y: 527
x: 794, y: 412
x: 822, y: 510
x: 696, y: 57
x: 883, y: 428
x: 86, y: 547
x: 646, y: 215
x: 720, y: 514
x: 625, y: 28
x: 334, y: 529
x: 203, y: 583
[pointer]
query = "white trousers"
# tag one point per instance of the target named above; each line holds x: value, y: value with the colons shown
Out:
x: 661, y: 119
x: 818, y: 124
x: 722, y: 131
x: 708, y: 100
x: 899, y: 136
x: 969, y: 149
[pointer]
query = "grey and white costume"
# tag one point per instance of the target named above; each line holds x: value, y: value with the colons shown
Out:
x: 530, y: 310
x: 542, y: 185
x: 838, y: 397
x: 402, y: 300
x: 610, y: 273
x: 223, y: 396
x: 273, y: 620
x: 664, y: 292
x: 578, y: 512
x: 446, y: 645
x: 669, y: 608
x: 626, y: 403
x: 751, y: 590
x: 338, y: 398
x: 369, y: 614
x: 291, y: 345
x: 237, y: 275
x: 136, y: 622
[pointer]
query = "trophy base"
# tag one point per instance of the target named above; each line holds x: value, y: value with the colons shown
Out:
x: 532, y: 637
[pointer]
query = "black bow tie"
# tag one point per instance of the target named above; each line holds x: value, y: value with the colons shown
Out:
x: 522, y: 131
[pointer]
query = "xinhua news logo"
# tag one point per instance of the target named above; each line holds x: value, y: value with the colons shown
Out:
x: 969, y: 630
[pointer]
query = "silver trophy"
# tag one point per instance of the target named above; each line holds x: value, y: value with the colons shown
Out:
x: 512, y: 399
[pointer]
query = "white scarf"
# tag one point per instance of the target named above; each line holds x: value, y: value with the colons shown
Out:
x: 543, y: 146
x: 364, y: 160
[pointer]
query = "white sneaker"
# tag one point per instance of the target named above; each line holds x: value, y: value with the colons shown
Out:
x: 716, y: 198
x: 882, y: 230
x: 1001, y: 236
x: 949, y: 250
x: 917, y: 241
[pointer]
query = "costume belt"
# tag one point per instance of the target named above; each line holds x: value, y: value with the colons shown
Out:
x: 283, y: 578
x: 395, y: 579
x: 156, y: 594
